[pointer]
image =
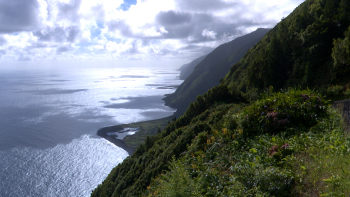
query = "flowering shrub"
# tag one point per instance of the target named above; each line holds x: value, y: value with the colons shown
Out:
x: 225, y: 162
x: 283, y: 111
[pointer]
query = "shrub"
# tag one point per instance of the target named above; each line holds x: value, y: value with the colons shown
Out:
x: 219, y: 162
x: 334, y: 91
x: 289, y: 111
x: 322, y: 169
x: 175, y: 183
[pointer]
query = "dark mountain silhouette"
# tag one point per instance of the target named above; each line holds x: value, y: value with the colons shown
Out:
x: 187, y: 69
x: 211, y: 69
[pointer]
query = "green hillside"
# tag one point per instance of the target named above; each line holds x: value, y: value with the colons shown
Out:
x: 211, y: 69
x: 247, y: 138
x: 187, y: 69
x: 298, y: 51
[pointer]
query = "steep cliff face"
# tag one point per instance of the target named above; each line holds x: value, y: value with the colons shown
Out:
x: 187, y: 69
x: 211, y: 69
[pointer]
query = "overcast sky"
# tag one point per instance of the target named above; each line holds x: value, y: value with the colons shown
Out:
x: 162, y: 32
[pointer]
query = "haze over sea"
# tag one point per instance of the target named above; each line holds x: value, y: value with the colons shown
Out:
x: 49, y: 119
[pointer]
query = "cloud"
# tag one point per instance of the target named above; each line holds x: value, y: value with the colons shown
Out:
x: 23, y: 58
x: 2, y: 41
x: 2, y: 52
x: 18, y: 15
x: 121, y: 26
x: 105, y: 30
x: 69, y: 11
x: 204, y: 5
x: 58, y: 34
x: 209, y: 34
x: 170, y: 18
x: 64, y: 49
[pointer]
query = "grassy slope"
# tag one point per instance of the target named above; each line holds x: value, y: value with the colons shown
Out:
x: 209, y: 71
x: 146, y: 128
x: 302, y: 158
x: 151, y: 158
x: 279, y: 60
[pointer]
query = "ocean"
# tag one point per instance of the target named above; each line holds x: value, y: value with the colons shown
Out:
x: 49, y: 119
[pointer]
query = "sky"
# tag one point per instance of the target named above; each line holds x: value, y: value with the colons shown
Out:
x: 164, y: 33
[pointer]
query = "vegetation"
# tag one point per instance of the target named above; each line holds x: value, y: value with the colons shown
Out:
x: 232, y: 161
x: 208, y: 72
x: 219, y: 154
x: 308, y: 48
x: 132, y: 176
x: 147, y: 128
x: 242, y: 138
x: 187, y: 69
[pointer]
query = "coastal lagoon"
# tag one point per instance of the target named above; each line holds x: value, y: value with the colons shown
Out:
x: 49, y: 119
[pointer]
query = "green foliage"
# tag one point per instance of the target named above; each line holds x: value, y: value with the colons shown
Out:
x: 228, y: 163
x: 150, y: 159
x: 298, y: 51
x: 336, y: 92
x: 341, y: 55
x: 176, y: 183
x: 323, y: 168
x: 211, y: 69
x: 251, y: 94
x: 218, y: 94
x: 347, y: 93
x: 222, y: 160
x: 288, y: 111
x: 278, y: 146
x: 147, y: 128
x: 341, y: 51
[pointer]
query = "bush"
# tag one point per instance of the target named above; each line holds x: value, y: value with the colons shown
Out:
x: 221, y: 162
x: 290, y: 111
x: 176, y: 183
x: 323, y: 167
x: 334, y: 91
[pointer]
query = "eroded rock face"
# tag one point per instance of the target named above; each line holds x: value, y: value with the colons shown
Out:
x: 344, y: 108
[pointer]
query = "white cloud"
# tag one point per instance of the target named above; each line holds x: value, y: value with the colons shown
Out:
x: 86, y: 36
x: 151, y: 29
x: 209, y: 34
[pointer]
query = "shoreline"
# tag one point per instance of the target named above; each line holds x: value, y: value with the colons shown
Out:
x: 121, y: 144
x: 115, y: 128
x: 146, y: 128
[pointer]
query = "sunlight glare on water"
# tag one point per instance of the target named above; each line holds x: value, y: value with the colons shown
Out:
x: 49, y: 120
x: 83, y: 163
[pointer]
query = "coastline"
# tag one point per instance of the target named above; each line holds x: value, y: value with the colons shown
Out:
x: 146, y: 128
x: 131, y: 142
x: 121, y: 144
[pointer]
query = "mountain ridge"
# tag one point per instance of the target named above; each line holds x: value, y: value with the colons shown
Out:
x: 232, y: 142
x: 187, y: 69
x: 219, y: 61
x: 297, y: 52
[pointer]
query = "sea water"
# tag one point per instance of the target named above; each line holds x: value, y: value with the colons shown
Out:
x: 49, y: 119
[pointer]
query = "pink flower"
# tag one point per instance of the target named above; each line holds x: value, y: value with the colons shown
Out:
x: 272, y: 114
x: 285, y: 146
x: 273, y: 150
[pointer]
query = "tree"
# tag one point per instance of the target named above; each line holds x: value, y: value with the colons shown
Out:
x: 341, y: 50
